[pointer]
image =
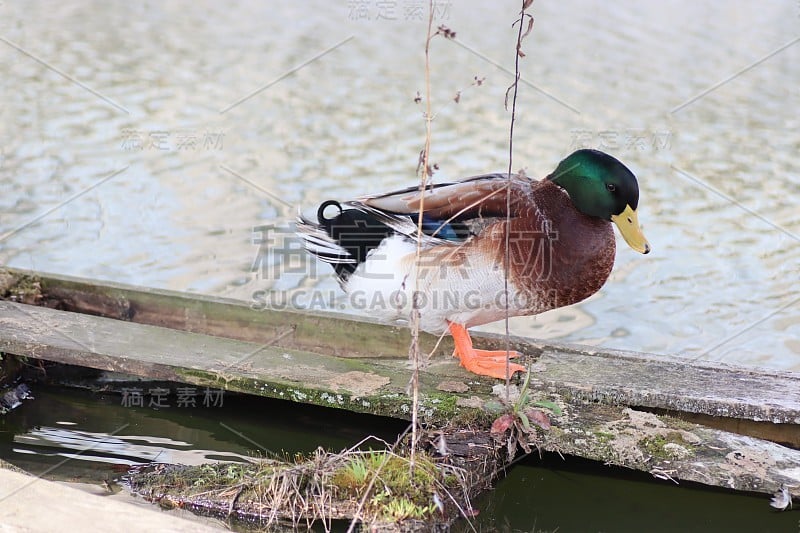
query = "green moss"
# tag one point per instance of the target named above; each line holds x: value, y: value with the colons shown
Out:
x: 604, y: 447
x: 468, y: 417
x: 658, y: 447
x: 397, y: 492
x: 679, y: 423
x: 24, y: 288
x: 435, y: 408
x: 353, y: 478
x: 603, y: 437
x: 446, y: 405
x: 392, y: 473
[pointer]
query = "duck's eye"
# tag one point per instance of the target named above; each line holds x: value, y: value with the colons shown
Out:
x: 611, y: 187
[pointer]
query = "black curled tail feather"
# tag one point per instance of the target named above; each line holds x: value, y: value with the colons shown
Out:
x: 355, y: 231
x: 345, y: 239
x: 325, y: 222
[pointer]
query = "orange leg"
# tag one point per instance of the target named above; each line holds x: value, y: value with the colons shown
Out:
x: 482, y: 362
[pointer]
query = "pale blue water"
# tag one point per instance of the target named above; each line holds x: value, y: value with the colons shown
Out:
x: 140, y: 88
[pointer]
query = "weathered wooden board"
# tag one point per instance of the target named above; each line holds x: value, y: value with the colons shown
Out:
x: 330, y: 333
x: 628, y: 378
x: 671, y: 449
x: 363, y: 385
x: 665, y: 446
x: 606, y: 376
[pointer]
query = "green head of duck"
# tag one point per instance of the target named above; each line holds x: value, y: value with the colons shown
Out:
x: 601, y: 186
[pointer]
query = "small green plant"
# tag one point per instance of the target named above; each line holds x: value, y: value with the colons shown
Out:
x: 354, y: 477
x: 376, y: 459
x: 208, y: 475
x: 396, y: 490
x: 357, y: 470
x: 398, y: 509
x: 516, y: 426
x: 234, y: 471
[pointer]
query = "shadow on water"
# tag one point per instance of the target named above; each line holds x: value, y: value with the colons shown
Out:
x: 78, y: 436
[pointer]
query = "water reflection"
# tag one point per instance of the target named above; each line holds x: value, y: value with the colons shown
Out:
x: 75, y: 435
x: 114, y: 449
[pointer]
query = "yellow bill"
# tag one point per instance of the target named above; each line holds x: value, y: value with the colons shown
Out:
x: 628, y: 224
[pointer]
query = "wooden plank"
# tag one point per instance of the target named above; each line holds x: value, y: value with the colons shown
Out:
x: 662, y: 445
x: 374, y: 386
x: 675, y: 450
x: 786, y: 434
x: 303, y: 330
x: 626, y: 378
x: 608, y: 376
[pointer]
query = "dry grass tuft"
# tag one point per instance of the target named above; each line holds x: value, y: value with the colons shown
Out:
x: 375, y: 486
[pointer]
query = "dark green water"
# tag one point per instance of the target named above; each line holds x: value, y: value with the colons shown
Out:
x: 71, y: 435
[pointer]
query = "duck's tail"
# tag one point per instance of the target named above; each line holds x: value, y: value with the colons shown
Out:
x: 345, y: 239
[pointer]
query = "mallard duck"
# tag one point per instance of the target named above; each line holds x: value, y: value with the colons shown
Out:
x: 560, y: 247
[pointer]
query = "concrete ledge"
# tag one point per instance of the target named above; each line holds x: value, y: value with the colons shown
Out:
x: 31, y: 504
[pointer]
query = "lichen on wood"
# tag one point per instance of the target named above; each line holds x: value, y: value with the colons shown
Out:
x: 673, y: 449
x: 19, y: 287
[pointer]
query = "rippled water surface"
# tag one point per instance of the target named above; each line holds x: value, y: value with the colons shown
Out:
x: 145, y: 142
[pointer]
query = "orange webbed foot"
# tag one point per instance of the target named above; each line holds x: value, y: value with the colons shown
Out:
x: 490, y: 368
x: 494, y: 354
x: 491, y: 363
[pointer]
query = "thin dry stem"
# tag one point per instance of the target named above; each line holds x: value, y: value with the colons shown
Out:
x: 415, y: 318
x: 435, y: 347
x: 517, y: 55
